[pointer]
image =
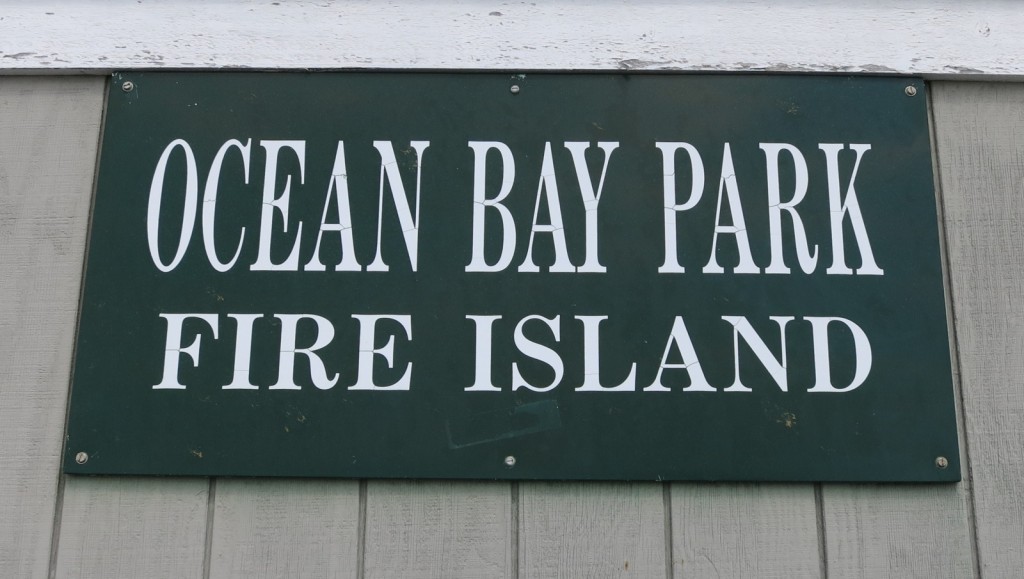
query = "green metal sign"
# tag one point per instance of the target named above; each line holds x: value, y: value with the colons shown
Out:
x: 542, y: 276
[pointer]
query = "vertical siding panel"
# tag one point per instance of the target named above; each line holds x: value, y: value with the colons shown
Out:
x: 285, y: 528
x: 49, y: 131
x: 133, y: 527
x: 898, y: 531
x: 980, y: 140
x: 744, y: 530
x: 438, y: 529
x: 591, y: 530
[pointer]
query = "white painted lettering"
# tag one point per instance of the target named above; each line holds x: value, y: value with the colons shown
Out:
x: 408, y: 222
x: 822, y: 367
x: 592, y: 360
x: 243, y: 352
x: 668, y: 153
x: 289, y: 350
x: 808, y: 258
x: 480, y: 203
x: 555, y: 228
x: 776, y: 367
x: 738, y: 228
x: 173, y: 348
x: 484, y: 333
x: 368, y: 349
x: 271, y: 203
x: 537, y: 352
x: 681, y: 339
x: 591, y: 199
x: 339, y: 186
x: 210, y: 202
x: 840, y: 208
x: 188, y: 215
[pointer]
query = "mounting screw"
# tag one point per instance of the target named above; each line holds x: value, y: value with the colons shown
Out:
x: 82, y: 458
x: 128, y: 86
x: 515, y: 90
x: 510, y: 461
x: 941, y: 462
x: 911, y: 90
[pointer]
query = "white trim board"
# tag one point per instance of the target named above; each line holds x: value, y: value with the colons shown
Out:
x: 935, y: 39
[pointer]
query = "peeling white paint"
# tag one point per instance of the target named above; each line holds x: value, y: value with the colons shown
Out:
x: 937, y: 39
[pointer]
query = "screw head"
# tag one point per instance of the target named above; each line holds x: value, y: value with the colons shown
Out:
x: 82, y: 458
x: 911, y: 90
x: 128, y: 86
x: 510, y: 461
x: 514, y: 89
x: 941, y: 462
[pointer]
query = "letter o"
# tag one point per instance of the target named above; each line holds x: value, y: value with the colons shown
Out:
x: 188, y: 217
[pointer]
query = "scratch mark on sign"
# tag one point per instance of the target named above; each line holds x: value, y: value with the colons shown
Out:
x: 504, y: 424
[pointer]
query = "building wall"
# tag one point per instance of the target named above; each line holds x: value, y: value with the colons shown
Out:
x: 73, y: 526
x: 53, y: 525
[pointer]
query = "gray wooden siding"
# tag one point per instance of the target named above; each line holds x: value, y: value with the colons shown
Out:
x: 58, y: 526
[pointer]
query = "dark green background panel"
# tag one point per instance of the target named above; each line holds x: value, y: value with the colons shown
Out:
x: 891, y: 428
